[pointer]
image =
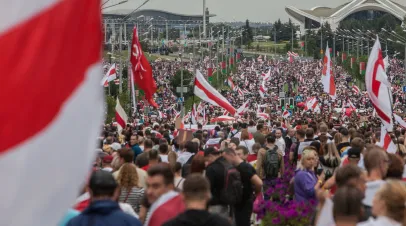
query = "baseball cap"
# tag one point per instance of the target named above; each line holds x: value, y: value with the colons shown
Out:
x: 354, y: 153
x: 107, y: 159
x: 211, y: 151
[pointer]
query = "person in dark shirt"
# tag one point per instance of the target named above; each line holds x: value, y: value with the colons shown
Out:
x: 345, y: 142
x: 250, y: 180
x: 196, y: 193
x: 134, y: 146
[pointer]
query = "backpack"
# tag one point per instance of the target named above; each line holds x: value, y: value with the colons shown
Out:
x: 271, y: 163
x: 186, y: 167
x: 231, y: 193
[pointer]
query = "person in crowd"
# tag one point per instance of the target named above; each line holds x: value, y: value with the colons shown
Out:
x: 338, y: 138
x: 126, y: 155
x: 294, y: 149
x: 396, y: 167
x: 142, y: 159
x: 234, y: 142
x: 153, y: 159
x: 280, y: 141
x: 305, y: 181
x: 106, y: 163
x: 246, y: 141
x: 198, y: 164
x: 389, y: 205
x: 348, y: 209
x: 197, y: 195
x: 345, y: 141
x: 259, y: 135
x: 130, y: 191
x: 290, y: 138
x: 103, y: 210
x: 163, y: 152
x: 242, y: 152
x: 330, y: 160
x: 252, y: 158
x: 190, y: 149
x: 134, y: 144
x: 179, y: 180
x: 270, y: 164
x: 165, y: 203
x: 250, y: 180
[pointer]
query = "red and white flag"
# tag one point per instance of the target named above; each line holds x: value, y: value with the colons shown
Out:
x: 327, y: 77
x: 38, y: 38
x: 286, y: 114
x: 209, y: 94
x: 311, y: 103
x: 262, y: 89
x: 194, y: 115
x: 266, y: 76
x: 121, y: 117
x: 386, y: 141
x: 165, y: 208
x: 400, y: 120
x: 355, y: 89
x: 230, y: 83
x: 243, y: 108
x: 378, y: 86
x: 109, y: 76
x: 263, y: 115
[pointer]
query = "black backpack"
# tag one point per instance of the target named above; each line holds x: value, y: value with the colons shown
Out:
x: 186, y: 167
x: 231, y: 193
x: 271, y: 163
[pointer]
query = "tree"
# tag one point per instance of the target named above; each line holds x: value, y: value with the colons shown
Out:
x: 187, y: 82
x: 247, y: 34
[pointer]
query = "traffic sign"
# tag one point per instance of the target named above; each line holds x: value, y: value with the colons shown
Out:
x: 298, y: 99
x: 180, y: 100
x: 404, y: 89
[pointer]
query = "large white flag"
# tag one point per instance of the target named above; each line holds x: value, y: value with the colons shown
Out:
x: 48, y: 132
x: 327, y: 77
x: 209, y: 94
x: 378, y: 86
x: 386, y: 141
x: 109, y: 76
x: 121, y: 117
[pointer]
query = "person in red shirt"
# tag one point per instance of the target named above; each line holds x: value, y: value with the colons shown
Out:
x: 153, y: 159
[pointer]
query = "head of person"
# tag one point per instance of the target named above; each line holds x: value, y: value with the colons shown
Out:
x: 270, y: 140
x: 102, y: 186
x: 300, y: 134
x: 126, y: 155
x: 245, y: 135
x: 323, y: 128
x: 376, y: 162
x: 260, y: 127
x: 234, y: 142
x: 177, y: 168
x: 163, y: 149
x: 309, y: 133
x: 242, y: 152
x: 278, y: 133
x: 160, y: 180
x: 338, y: 138
x: 345, y: 133
x: 358, y: 142
x: 291, y: 132
x: 390, y: 201
x: 354, y: 155
x: 106, y: 161
x: 231, y: 156
x: 148, y: 144
x: 191, y: 147
x: 196, y: 188
x: 128, y: 176
x: 211, y: 154
x: 348, y: 208
x: 308, y: 159
x: 350, y: 175
x: 198, y: 164
x: 255, y: 148
x: 134, y: 139
x: 396, y: 167
x: 153, y: 156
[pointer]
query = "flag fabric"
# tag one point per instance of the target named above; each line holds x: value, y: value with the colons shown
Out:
x: 109, y: 76
x: 362, y: 68
x: 243, y: 108
x: 386, y: 62
x: 117, y: 81
x: 386, y: 141
x: 378, y: 86
x: 142, y: 71
x: 266, y: 76
x: 230, y: 83
x: 400, y: 121
x: 286, y: 114
x: 343, y: 57
x: 262, y: 89
x: 327, y: 77
x: 355, y: 89
x: 263, y: 115
x: 170, y: 203
x: 352, y: 62
x: 223, y: 67
x: 69, y: 105
x: 121, y: 117
x: 209, y: 94
x: 311, y: 104
x: 194, y: 115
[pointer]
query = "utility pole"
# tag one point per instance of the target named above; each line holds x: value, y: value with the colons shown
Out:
x: 334, y: 47
x: 152, y: 37
x: 167, y: 31
x: 274, y: 38
x: 357, y: 48
x: 222, y: 52
x: 120, y: 89
x: 182, y: 110
x: 292, y: 39
x: 204, y: 19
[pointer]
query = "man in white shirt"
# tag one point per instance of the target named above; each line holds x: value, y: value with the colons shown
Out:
x: 280, y: 142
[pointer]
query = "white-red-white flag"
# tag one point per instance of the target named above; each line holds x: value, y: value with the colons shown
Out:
x: 209, y: 94
x: 37, y: 39
x: 243, y: 108
x: 230, y: 83
x: 355, y: 89
x: 266, y: 76
x: 194, y: 115
x: 378, y: 86
x: 262, y: 89
x: 263, y: 115
x: 327, y: 76
x: 109, y: 76
x: 311, y: 103
x: 386, y: 141
x: 121, y: 117
x: 286, y: 114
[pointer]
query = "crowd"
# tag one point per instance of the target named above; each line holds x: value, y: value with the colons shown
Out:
x: 316, y: 167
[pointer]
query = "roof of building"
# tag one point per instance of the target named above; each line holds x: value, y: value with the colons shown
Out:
x: 128, y: 11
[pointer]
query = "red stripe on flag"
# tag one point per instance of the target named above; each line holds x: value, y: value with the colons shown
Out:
x: 42, y: 84
x: 210, y: 95
x: 120, y: 120
x: 376, y: 85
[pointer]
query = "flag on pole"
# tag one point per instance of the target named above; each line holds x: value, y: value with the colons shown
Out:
x: 343, y: 57
x: 121, y: 117
x: 223, y: 67
x: 355, y: 89
x: 109, y: 76
x: 243, y: 108
x: 378, y: 86
x: 194, y: 115
x: 142, y: 71
x: 386, y: 141
x: 352, y: 62
x: 286, y: 114
x: 311, y: 103
x: 69, y: 105
x: 362, y: 68
x: 327, y: 77
x: 386, y: 62
x: 209, y: 94
x: 262, y: 89
x: 230, y: 83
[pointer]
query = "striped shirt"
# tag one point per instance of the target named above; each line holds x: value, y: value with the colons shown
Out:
x: 134, y: 198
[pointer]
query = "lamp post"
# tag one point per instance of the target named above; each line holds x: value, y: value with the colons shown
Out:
x: 166, y: 27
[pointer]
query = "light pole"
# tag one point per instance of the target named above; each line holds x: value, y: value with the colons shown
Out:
x: 166, y: 28
x: 204, y: 19
x: 182, y: 110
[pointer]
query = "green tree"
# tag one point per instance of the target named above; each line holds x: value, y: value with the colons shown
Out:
x: 247, y: 34
x: 187, y: 82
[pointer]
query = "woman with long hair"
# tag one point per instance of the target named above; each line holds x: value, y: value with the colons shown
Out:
x: 129, y: 191
x: 330, y: 160
x: 246, y: 141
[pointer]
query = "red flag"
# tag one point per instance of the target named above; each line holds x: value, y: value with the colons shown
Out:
x: 142, y: 71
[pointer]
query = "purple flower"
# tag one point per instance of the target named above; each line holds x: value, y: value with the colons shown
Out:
x: 276, y: 220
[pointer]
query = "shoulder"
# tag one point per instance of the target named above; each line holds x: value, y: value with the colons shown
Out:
x: 141, y: 171
x: 220, y: 220
x: 127, y: 217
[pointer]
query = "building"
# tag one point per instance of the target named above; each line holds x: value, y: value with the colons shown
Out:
x: 359, y: 9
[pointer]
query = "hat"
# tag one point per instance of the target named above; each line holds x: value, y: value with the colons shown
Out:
x: 354, y: 153
x: 115, y: 146
x: 211, y: 151
x: 102, y: 180
x: 107, y: 159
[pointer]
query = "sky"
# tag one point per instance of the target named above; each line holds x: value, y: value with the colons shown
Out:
x: 230, y: 10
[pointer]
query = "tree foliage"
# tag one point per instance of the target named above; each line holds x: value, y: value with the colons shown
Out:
x: 247, y: 34
x: 187, y: 82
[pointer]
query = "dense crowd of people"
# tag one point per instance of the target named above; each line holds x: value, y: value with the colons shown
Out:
x: 152, y: 173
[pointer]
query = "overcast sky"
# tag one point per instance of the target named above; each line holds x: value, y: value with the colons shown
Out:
x: 229, y: 10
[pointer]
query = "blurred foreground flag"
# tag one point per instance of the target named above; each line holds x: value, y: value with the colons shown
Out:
x: 52, y: 105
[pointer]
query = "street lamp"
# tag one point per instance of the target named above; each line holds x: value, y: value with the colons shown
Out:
x: 166, y: 27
